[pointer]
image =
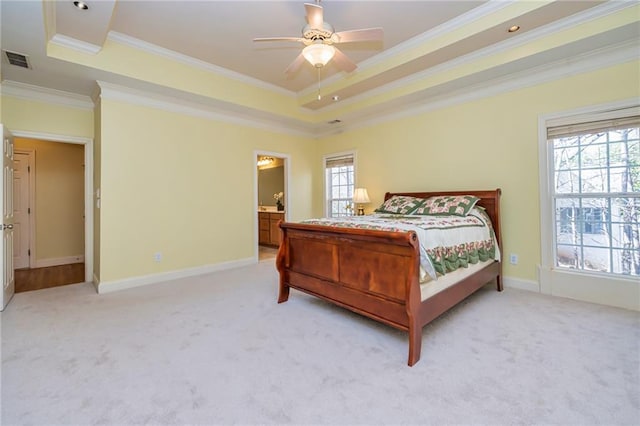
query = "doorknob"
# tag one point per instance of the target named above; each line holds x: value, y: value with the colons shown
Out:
x: 9, y: 226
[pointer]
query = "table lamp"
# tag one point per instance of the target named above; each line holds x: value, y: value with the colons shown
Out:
x: 360, y: 197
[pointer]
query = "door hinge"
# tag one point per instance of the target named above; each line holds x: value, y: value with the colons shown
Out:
x: 28, y: 169
x: 28, y: 252
x: 28, y: 210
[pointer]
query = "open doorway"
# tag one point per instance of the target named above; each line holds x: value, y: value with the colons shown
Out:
x: 272, y: 200
x: 49, y: 207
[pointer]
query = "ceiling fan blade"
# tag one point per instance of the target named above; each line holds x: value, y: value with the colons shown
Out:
x: 293, y: 66
x: 315, y: 16
x: 278, y: 39
x: 343, y: 62
x: 365, y: 34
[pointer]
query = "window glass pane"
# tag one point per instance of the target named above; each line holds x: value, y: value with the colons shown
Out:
x: 567, y: 182
x: 566, y: 158
x: 335, y: 192
x: 594, y: 155
x: 596, y: 259
x: 568, y: 256
x: 594, y: 180
x: 598, y: 233
x: 619, y: 153
x: 626, y: 262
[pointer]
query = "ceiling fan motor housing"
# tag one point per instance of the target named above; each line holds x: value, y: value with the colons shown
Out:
x: 314, y: 34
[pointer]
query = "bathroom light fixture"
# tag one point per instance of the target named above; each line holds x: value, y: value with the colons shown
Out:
x: 264, y: 161
x: 81, y: 5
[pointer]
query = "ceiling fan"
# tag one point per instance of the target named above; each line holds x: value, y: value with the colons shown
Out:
x: 319, y: 39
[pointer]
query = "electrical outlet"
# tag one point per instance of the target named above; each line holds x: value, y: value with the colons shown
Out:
x: 157, y: 257
x: 513, y: 259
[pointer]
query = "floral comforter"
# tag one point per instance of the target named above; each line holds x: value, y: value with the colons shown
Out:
x: 446, y: 242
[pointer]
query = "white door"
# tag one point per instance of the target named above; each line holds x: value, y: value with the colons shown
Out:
x: 6, y: 195
x: 22, y: 167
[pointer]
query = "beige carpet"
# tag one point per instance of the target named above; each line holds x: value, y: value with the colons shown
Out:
x: 218, y: 349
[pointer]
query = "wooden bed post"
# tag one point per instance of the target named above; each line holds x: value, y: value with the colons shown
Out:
x: 415, y: 342
x: 498, y: 232
x: 283, y: 294
x: 412, y: 303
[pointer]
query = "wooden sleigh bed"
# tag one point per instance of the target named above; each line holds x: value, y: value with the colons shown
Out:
x: 376, y: 273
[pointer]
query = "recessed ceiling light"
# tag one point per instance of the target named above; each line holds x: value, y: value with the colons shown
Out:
x: 335, y: 98
x: 81, y: 5
x: 514, y: 28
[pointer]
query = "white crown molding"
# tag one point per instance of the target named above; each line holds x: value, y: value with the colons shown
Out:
x: 293, y: 127
x: 75, y: 44
x: 40, y: 94
x: 610, y: 56
x: 596, y: 12
x: 473, y: 15
x: 53, y: 137
x: 49, y: 12
x: 197, y: 63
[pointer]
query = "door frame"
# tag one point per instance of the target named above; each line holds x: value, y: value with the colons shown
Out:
x: 88, y: 187
x: 32, y: 201
x: 287, y: 177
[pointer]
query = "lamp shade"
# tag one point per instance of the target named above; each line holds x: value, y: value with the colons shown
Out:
x: 361, y: 196
x: 318, y: 54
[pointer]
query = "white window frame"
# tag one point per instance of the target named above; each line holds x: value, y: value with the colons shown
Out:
x: 577, y: 284
x: 325, y: 158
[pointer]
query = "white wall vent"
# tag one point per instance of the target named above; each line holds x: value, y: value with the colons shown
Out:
x: 17, y: 59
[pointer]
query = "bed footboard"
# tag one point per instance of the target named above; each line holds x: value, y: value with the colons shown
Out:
x: 374, y: 273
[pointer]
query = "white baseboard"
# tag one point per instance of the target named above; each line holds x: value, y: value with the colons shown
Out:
x: 45, y: 263
x: 521, y: 284
x: 618, y: 291
x: 111, y: 286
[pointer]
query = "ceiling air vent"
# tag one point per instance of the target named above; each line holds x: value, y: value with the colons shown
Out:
x: 17, y: 59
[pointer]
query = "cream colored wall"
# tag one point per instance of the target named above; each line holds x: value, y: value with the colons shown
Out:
x: 184, y: 187
x: 32, y: 116
x: 484, y: 144
x: 59, y: 198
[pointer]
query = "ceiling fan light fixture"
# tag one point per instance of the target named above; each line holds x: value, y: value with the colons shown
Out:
x: 318, y: 54
x: 81, y: 5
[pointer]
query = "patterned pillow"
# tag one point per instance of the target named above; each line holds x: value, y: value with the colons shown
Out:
x: 400, y: 204
x: 447, y: 205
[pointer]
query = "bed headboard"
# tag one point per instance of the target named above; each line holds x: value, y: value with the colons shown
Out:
x: 490, y: 200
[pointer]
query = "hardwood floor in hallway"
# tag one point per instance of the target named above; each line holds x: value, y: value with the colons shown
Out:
x: 53, y: 276
x: 265, y: 253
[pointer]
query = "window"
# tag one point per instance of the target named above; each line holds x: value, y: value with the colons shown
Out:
x: 339, y: 172
x: 588, y: 220
x: 595, y: 192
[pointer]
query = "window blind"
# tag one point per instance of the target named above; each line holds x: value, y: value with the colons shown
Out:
x: 593, y: 127
x: 346, y: 160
